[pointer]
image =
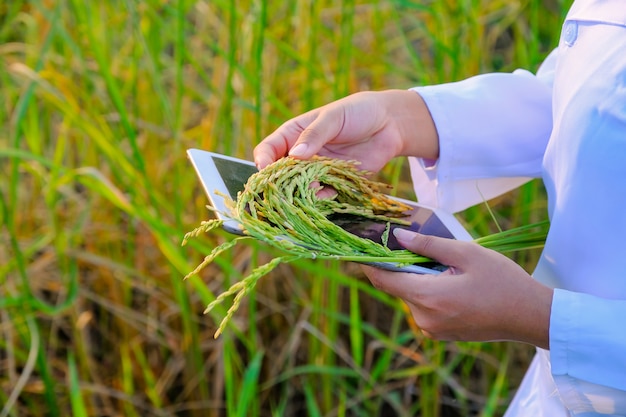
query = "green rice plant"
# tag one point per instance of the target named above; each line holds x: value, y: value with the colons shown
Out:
x: 280, y: 206
x: 78, y: 405
x: 99, y: 102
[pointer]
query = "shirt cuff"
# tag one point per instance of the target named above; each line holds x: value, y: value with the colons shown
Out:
x: 587, y: 345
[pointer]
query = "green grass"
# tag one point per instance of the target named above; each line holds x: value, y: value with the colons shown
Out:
x: 100, y: 101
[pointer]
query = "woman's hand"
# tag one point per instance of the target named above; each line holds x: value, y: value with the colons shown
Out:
x: 370, y: 127
x: 483, y: 296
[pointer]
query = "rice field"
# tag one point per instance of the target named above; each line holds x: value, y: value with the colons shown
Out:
x: 100, y: 100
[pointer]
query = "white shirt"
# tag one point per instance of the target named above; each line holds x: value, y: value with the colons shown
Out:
x: 566, y: 124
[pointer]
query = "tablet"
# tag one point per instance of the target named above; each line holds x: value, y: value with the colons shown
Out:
x: 222, y: 174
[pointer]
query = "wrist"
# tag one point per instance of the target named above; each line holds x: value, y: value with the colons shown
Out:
x: 534, y: 317
x: 414, y: 124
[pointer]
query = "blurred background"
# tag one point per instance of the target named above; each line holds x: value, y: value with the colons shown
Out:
x: 100, y: 100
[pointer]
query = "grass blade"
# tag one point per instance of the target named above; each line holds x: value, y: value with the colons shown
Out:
x: 79, y: 409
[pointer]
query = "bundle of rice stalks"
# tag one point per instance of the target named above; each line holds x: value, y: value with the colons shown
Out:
x: 281, y: 207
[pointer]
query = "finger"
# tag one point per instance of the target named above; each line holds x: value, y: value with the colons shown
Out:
x: 323, y: 191
x: 273, y: 147
x: 446, y: 251
x: 278, y: 143
x: 267, y: 152
x: 400, y: 284
x: 324, y: 128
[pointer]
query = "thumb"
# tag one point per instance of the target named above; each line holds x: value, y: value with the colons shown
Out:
x: 324, y: 128
x: 443, y: 250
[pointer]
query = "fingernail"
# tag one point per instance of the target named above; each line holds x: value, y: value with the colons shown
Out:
x: 403, y: 234
x: 262, y: 162
x: 298, y: 150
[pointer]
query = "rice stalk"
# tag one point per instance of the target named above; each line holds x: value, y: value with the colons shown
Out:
x: 280, y: 207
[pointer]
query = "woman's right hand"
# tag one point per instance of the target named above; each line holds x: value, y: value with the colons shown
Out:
x: 370, y: 127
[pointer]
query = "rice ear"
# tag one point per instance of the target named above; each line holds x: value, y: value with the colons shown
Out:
x: 279, y: 207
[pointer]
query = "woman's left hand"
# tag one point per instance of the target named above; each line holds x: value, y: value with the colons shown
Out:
x: 483, y: 296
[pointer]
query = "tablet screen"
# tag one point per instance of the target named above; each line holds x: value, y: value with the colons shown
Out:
x: 234, y: 175
x: 422, y: 220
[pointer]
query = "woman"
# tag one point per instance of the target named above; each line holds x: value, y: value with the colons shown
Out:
x: 480, y: 137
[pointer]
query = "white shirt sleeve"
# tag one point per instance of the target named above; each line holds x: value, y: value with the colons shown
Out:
x: 588, y: 352
x: 493, y: 130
